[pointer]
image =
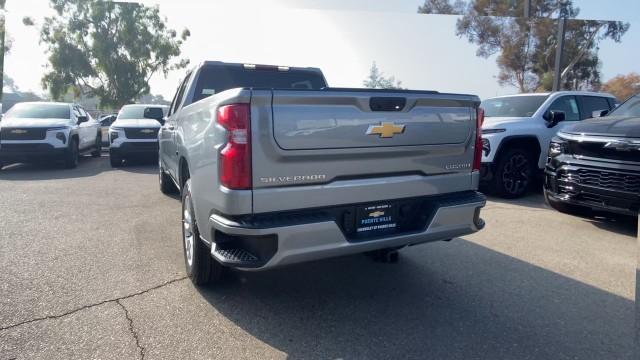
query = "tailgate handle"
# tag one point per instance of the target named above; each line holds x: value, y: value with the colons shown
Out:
x: 387, y: 103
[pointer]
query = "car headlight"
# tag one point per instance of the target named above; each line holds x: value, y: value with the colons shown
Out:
x: 492, y: 131
x: 62, y: 137
x: 113, y: 135
x: 557, y: 147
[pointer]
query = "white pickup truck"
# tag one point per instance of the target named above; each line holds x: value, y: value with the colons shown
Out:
x: 517, y: 131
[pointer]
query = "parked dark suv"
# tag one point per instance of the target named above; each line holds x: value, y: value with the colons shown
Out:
x: 595, y: 164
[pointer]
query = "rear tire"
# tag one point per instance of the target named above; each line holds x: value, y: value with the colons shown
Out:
x: 72, y: 157
x: 166, y: 184
x: 201, y: 268
x: 98, y: 150
x: 514, y: 174
x: 115, y: 160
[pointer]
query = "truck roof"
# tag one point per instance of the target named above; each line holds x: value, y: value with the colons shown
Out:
x: 557, y: 93
x: 222, y: 63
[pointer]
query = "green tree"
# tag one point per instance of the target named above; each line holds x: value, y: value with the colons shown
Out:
x: 5, y: 44
x: 623, y: 86
x: 376, y: 80
x: 107, y: 49
x: 525, y: 48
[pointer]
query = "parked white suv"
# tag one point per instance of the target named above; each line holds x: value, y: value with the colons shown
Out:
x: 517, y: 131
x: 32, y: 131
x: 135, y: 132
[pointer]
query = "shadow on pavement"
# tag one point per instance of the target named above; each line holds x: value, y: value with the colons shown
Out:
x: 625, y: 225
x: 53, y: 170
x: 453, y: 300
x: 87, y: 167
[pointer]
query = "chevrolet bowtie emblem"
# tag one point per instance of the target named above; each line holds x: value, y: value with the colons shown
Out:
x: 18, y: 131
x: 622, y: 145
x: 146, y: 131
x: 376, y: 214
x: 385, y: 129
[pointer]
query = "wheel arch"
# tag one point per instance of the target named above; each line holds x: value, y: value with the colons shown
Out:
x: 183, y: 171
x: 529, y: 142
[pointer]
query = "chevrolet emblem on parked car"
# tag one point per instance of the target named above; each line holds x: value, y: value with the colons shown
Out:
x: 622, y: 145
x: 385, y: 129
x: 18, y: 131
x: 146, y: 131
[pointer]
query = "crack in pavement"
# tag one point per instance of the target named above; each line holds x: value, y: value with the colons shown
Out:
x: 141, y: 349
x: 85, y: 307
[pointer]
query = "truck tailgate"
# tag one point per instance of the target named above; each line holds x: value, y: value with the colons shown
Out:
x: 337, y: 146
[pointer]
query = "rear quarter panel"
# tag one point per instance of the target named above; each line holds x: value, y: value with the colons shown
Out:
x: 198, y: 141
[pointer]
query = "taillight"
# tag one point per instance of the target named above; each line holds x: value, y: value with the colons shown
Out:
x: 477, y: 157
x: 235, y: 157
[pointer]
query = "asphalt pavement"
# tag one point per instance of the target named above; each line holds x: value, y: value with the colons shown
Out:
x: 91, y: 266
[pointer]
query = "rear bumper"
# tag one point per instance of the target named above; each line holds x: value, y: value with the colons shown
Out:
x: 289, y: 239
x: 29, y: 152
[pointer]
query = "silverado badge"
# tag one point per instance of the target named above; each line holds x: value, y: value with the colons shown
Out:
x: 146, y: 131
x: 18, y: 131
x: 385, y: 129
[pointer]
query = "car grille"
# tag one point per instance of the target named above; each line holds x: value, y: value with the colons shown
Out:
x: 24, y: 148
x: 604, y: 179
x: 23, y: 133
x: 142, y: 133
x: 598, y: 151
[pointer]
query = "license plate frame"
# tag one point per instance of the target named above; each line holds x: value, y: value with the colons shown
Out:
x: 376, y: 219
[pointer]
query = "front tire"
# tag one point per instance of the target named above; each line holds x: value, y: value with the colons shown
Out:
x: 201, y: 268
x: 514, y: 174
x: 115, y: 160
x: 72, y: 157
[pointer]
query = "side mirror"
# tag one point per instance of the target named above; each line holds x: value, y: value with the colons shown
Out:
x: 82, y: 119
x: 604, y: 113
x: 155, y: 113
x: 162, y: 121
x: 554, y: 117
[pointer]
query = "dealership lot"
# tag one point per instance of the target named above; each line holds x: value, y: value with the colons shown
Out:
x: 92, y: 267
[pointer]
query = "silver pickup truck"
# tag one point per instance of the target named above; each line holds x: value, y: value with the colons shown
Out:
x: 276, y: 168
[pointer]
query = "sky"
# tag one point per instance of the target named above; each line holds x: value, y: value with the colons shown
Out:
x: 343, y: 38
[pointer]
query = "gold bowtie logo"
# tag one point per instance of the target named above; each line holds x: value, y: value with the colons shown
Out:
x: 385, y: 129
x: 376, y: 214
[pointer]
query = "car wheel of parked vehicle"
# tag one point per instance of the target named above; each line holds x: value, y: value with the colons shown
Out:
x: 570, y: 209
x: 514, y: 174
x: 166, y: 185
x: 201, y: 267
x: 71, y: 158
x: 115, y: 160
x: 96, y: 153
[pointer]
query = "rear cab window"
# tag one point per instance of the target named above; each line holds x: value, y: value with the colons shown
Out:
x: 593, y: 104
x: 214, y: 79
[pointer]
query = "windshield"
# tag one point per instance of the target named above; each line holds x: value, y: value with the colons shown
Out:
x: 215, y: 79
x: 512, y: 106
x: 136, y: 112
x: 39, y: 111
x: 631, y: 107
